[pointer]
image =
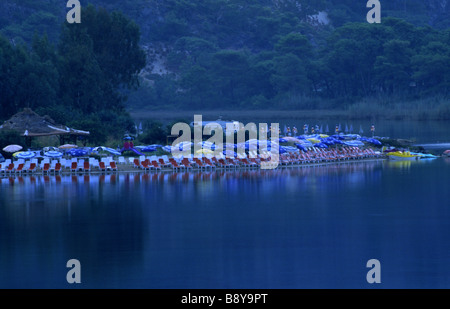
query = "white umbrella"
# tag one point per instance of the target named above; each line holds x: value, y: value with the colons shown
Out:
x: 50, y: 149
x: 67, y: 146
x: 12, y: 148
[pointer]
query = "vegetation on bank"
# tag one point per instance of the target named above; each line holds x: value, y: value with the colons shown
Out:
x: 81, y: 81
x: 357, y: 63
x: 222, y: 55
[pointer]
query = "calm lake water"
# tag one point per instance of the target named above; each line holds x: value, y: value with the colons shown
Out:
x: 289, y: 228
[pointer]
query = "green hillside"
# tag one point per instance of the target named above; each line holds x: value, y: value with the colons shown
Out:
x: 253, y: 54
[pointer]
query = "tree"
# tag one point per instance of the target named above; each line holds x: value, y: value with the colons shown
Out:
x: 393, y: 68
x: 431, y: 68
x: 229, y: 69
x: 290, y: 74
x: 99, y: 57
x: 296, y: 44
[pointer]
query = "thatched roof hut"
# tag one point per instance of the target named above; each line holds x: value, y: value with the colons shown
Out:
x: 28, y: 123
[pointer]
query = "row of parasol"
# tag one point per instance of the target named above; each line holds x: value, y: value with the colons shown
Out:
x: 50, y: 152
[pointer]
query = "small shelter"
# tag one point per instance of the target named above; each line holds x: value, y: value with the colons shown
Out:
x: 30, y: 125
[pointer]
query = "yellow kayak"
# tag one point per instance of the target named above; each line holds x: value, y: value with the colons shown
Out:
x: 400, y: 155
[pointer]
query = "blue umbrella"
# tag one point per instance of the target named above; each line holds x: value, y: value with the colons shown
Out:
x: 167, y: 148
x: 77, y: 152
x: 320, y: 145
x: 148, y: 149
x: 229, y: 146
x: 301, y: 147
x: 230, y: 153
x: 25, y: 155
x: 53, y: 154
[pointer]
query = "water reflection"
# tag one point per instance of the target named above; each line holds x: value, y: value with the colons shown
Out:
x: 222, y: 229
x: 27, y: 186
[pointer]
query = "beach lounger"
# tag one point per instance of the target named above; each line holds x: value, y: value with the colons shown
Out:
x: 58, y: 168
x: 10, y: 168
x: 137, y: 163
x: 113, y: 166
x: 145, y: 165
x: 86, y: 167
x: 155, y: 165
x: 208, y: 161
x: 200, y: 164
x: 186, y: 163
x: 164, y: 163
x: 20, y: 168
x: 102, y: 166
x: 175, y: 165
x: 46, y: 168
x: 32, y: 168
x: 74, y: 166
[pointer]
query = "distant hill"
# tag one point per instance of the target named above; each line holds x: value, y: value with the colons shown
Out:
x: 19, y: 19
x: 264, y: 52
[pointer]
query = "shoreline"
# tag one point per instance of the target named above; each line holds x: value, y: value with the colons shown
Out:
x: 280, y: 114
x: 129, y: 169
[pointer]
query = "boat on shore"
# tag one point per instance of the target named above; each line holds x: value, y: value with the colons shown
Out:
x: 402, y: 155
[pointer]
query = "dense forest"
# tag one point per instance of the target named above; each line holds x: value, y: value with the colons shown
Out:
x: 236, y: 54
x: 80, y: 81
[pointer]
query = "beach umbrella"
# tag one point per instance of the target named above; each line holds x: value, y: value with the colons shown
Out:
x: 99, y: 148
x: 68, y: 146
x: 53, y: 154
x: 301, y: 147
x: 292, y: 139
x: 107, y: 149
x: 77, y: 152
x: 229, y: 146
x: 12, y: 148
x: 184, y: 146
x: 204, y: 151
x: 24, y: 155
x: 229, y: 153
x: 50, y: 149
x: 148, y: 149
x: 207, y: 145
